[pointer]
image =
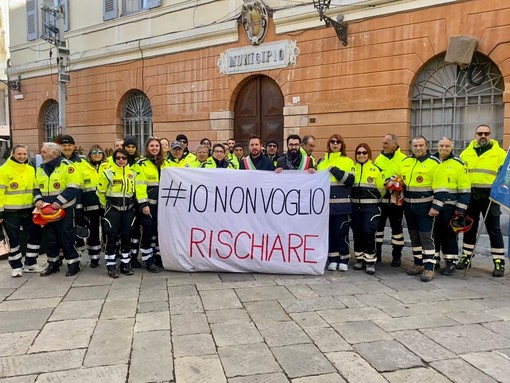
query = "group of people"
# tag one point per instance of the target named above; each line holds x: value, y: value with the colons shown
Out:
x: 115, y: 198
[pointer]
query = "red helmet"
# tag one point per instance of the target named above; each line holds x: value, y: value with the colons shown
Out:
x: 395, y: 183
x: 461, y: 223
x: 47, y: 214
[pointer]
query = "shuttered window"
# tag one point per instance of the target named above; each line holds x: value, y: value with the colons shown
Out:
x: 110, y: 9
x: 32, y: 25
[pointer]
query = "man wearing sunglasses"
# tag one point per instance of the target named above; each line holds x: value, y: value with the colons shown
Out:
x: 272, y: 151
x: 483, y: 158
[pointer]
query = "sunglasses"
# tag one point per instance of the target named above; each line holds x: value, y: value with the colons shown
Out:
x: 96, y: 152
x: 120, y: 158
x: 272, y: 146
x: 361, y: 153
x: 334, y: 142
x: 480, y: 134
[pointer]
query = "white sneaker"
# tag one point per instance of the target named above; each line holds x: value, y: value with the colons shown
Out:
x: 343, y: 266
x: 332, y: 266
x: 15, y: 273
x: 33, y: 269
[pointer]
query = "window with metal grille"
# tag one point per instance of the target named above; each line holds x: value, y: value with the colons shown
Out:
x: 137, y: 117
x: 451, y: 102
x: 50, y: 124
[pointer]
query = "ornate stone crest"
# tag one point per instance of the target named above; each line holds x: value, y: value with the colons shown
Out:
x: 255, y: 19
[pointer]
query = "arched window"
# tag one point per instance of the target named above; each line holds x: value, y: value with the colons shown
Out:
x: 137, y: 117
x: 451, y: 102
x: 50, y: 124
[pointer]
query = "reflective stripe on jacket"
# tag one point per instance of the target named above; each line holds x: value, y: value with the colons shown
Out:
x: 342, y: 177
x: 368, y: 183
x: 17, y: 183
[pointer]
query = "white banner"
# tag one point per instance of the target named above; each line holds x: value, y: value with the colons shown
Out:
x: 243, y: 221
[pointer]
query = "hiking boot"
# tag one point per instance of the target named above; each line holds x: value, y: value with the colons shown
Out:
x: 73, y: 269
x: 415, y: 270
x: 135, y: 263
x: 370, y: 269
x: 359, y: 265
x: 94, y: 263
x: 464, y: 263
x: 427, y: 275
x: 51, y: 268
x: 152, y: 268
x: 448, y: 269
x: 499, y: 268
x: 112, y: 271
x: 125, y: 268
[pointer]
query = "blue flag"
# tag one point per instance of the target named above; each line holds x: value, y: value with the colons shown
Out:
x: 500, y: 191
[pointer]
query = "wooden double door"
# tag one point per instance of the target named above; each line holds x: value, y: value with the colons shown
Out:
x: 259, y: 110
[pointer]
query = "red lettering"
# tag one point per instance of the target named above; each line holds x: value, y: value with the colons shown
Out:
x: 294, y: 248
x: 255, y: 246
x: 210, y: 243
x: 277, y: 246
x: 224, y: 243
x: 308, y: 248
x: 196, y: 242
x: 235, y: 244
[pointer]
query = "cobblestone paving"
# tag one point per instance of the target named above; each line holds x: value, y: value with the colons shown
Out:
x: 218, y: 327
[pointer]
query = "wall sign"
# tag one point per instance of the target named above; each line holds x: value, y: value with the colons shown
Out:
x: 279, y: 54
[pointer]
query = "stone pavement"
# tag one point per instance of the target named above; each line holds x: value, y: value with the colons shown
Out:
x: 249, y: 328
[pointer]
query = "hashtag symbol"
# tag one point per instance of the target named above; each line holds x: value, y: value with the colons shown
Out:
x: 174, y: 193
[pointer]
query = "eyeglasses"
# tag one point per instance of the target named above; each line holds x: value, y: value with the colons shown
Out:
x: 183, y: 141
x: 292, y: 145
x: 96, y: 152
x: 219, y: 151
x: 480, y: 134
x: 121, y: 158
x: 362, y: 153
x: 335, y: 142
x: 272, y: 146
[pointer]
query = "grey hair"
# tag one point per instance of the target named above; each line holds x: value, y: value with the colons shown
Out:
x: 446, y: 138
x: 394, y: 137
x: 201, y: 147
x: 53, y: 146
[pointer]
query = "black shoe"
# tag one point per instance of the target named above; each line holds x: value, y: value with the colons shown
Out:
x: 135, y: 263
x: 112, y: 271
x: 50, y: 269
x: 73, y: 269
x: 464, y: 263
x: 395, y: 262
x: 152, y: 268
x: 94, y: 263
x: 499, y: 268
x: 449, y: 268
x: 125, y: 268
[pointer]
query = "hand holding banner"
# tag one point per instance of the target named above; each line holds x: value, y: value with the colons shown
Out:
x: 243, y: 221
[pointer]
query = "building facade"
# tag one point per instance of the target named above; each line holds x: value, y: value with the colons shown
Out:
x: 221, y: 69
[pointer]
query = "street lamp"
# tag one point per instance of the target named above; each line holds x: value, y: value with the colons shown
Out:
x: 13, y: 85
x: 340, y: 26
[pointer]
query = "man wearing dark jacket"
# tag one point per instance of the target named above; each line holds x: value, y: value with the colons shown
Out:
x: 294, y: 158
x: 255, y: 160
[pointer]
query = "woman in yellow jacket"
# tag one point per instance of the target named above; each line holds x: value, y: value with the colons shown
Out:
x: 367, y: 191
x: 17, y: 181
x: 92, y: 210
x: 149, y: 170
x: 116, y: 193
x: 341, y: 168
